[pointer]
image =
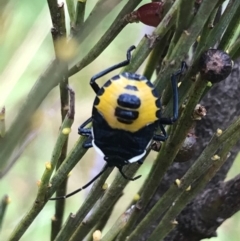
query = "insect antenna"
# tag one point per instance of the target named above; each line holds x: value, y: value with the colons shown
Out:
x: 83, y: 187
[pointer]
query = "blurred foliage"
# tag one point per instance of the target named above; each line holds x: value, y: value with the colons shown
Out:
x: 25, y: 49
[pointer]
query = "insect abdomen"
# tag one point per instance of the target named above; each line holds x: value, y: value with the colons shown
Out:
x: 127, y: 102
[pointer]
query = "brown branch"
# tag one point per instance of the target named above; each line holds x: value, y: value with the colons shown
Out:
x: 222, y: 106
x: 201, y: 218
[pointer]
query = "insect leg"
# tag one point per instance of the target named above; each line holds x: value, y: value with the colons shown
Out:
x: 85, y: 131
x: 88, y: 143
x: 174, y: 80
x: 83, y: 187
x: 108, y: 70
x: 126, y: 177
x: 162, y: 137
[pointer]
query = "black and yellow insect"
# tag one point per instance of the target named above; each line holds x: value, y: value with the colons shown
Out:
x: 125, y: 116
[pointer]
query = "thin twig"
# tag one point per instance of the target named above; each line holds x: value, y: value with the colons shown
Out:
x: 167, y: 224
x: 101, y: 223
x: 44, y: 184
x: 212, y: 38
x: 231, y: 31
x: 167, y: 153
x: 195, y: 171
x: 118, y: 225
x: 119, y: 23
x: 154, y: 60
x: 44, y: 84
x: 74, y: 220
x: 3, y: 207
x: 216, y: 33
x: 59, y: 35
x: 183, y: 20
x: 148, y: 42
x: 180, y: 52
x: 101, y: 9
x: 110, y: 197
x: 234, y: 50
x: 2, y: 122
x: 80, y: 13
x: 18, y: 152
x: 201, y: 165
x: 71, y: 11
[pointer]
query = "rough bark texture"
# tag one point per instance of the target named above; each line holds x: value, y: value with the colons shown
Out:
x: 218, y: 201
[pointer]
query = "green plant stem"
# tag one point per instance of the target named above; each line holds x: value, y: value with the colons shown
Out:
x: 44, y: 84
x: 3, y: 207
x: 165, y: 226
x: 213, y: 36
x: 231, y: 32
x: 101, y: 223
x: 182, y: 47
x: 101, y: 9
x: 228, y: 15
x: 60, y: 205
x: 57, y: 220
x: 61, y: 191
x: 170, y: 148
x: 74, y: 220
x: 59, y: 33
x: 2, y: 122
x: 167, y: 153
x: 42, y: 87
x: 44, y: 184
x: 28, y: 140
x: 110, y: 197
x: 57, y: 151
x: 185, y: 121
x: 207, y: 29
x: 72, y: 159
x: 118, y: 225
x: 39, y: 91
x: 234, y: 50
x: 206, y: 12
x: 148, y: 42
x: 195, y: 171
x: 71, y: 10
x: 119, y: 23
x: 153, y: 60
x: 80, y: 13
x: 184, y: 17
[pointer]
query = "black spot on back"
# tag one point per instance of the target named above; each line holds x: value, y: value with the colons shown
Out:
x: 131, y: 87
x: 109, y: 82
x: 129, y: 101
x: 125, y: 121
x: 116, y: 77
x: 126, y: 115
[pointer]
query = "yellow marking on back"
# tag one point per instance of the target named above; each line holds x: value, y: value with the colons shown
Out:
x: 108, y: 103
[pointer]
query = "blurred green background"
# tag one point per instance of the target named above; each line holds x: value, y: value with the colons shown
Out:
x: 26, y: 48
